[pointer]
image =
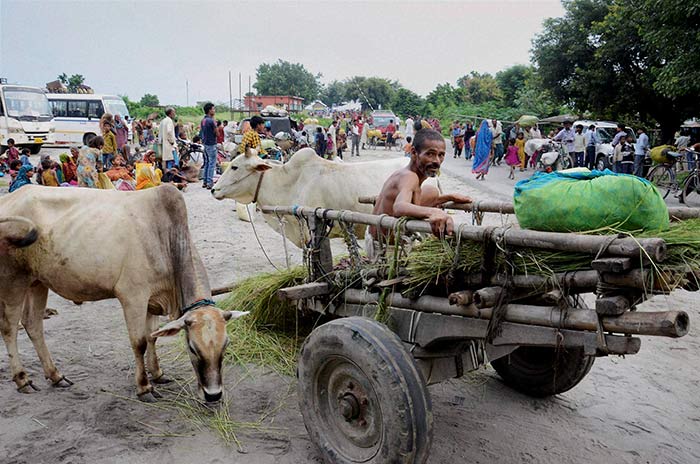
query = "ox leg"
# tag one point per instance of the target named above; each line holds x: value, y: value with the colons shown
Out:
x: 136, y: 325
x: 157, y: 375
x: 33, y: 321
x: 10, y: 315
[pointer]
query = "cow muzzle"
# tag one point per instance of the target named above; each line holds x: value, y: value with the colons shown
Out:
x: 212, y: 396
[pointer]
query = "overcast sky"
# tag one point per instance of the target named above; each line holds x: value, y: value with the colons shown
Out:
x: 132, y: 48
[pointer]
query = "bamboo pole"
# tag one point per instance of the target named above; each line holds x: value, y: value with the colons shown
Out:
x: 667, y: 324
x: 592, y: 244
x: 506, y: 207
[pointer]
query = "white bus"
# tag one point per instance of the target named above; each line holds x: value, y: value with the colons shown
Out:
x: 25, y: 117
x: 77, y: 116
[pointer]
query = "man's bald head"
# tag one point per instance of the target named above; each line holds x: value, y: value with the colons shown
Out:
x: 424, y: 135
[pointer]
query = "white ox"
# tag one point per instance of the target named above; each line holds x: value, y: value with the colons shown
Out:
x: 89, y: 245
x: 306, y: 180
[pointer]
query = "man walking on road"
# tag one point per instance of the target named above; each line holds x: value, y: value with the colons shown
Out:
x: 167, y: 138
x: 207, y: 130
x: 591, y: 139
x: 355, y: 140
x: 640, y: 152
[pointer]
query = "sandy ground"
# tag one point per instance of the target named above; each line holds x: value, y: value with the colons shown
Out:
x: 641, y: 409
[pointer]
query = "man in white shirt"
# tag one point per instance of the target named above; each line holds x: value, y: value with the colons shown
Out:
x: 579, y: 146
x: 331, y: 135
x: 640, y: 152
x: 566, y: 136
x: 355, y: 140
x: 497, y: 142
x: 409, y: 127
x: 591, y: 139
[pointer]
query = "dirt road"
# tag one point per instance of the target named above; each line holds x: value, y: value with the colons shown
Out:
x: 642, y: 409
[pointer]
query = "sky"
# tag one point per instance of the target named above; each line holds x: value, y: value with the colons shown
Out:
x: 132, y: 48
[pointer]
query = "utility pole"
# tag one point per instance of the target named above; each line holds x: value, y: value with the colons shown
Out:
x: 240, y: 91
x: 187, y: 91
x: 230, y: 97
x: 250, y: 109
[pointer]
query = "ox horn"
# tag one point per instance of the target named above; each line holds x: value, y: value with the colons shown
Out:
x: 251, y: 152
x: 17, y: 232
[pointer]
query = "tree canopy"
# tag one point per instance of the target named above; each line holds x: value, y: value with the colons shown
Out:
x: 610, y: 58
x: 285, y: 78
x: 479, y: 88
x: 512, y: 80
x: 372, y: 92
x: 72, y: 82
x: 149, y: 100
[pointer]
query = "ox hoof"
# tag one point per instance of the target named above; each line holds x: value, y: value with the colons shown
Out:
x: 148, y: 397
x: 162, y: 380
x: 28, y: 387
x: 63, y: 382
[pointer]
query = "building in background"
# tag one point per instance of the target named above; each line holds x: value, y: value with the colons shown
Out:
x: 259, y: 102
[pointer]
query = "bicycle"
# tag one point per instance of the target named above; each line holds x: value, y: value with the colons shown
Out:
x: 691, y: 184
x: 663, y: 175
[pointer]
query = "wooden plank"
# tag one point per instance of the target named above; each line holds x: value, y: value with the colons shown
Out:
x: 616, y: 264
x: 303, y: 291
x: 612, y: 305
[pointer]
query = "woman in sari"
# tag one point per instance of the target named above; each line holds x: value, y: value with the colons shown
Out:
x: 22, y: 178
x: 482, y: 150
x: 146, y: 175
x: 69, y: 169
x: 120, y: 176
x: 89, y: 161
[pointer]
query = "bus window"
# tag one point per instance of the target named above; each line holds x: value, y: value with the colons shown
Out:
x: 95, y: 109
x: 77, y: 109
x: 60, y: 108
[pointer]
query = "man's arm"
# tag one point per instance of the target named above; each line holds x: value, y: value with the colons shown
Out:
x: 440, y: 222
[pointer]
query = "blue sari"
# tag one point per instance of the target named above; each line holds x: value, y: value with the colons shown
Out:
x: 482, y: 149
x: 22, y: 179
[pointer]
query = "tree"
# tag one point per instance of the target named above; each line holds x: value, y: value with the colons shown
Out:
x: 407, y: 102
x: 334, y: 93
x: 72, y: 82
x: 609, y: 57
x: 443, y: 95
x: 149, y: 100
x: 479, y: 88
x: 512, y: 80
x: 372, y: 92
x: 285, y: 78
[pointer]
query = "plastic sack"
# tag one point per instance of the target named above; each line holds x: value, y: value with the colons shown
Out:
x: 582, y: 200
x: 659, y: 154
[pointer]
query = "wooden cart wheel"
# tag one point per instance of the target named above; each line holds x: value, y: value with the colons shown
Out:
x: 543, y: 371
x: 361, y: 395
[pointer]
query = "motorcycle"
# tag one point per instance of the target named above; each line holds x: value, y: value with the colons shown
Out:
x: 553, y: 157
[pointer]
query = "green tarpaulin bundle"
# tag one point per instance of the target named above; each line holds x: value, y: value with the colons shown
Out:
x: 583, y: 200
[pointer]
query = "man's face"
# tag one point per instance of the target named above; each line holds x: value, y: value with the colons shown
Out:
x: 567, y: 125
x: 212, y: 112
x: 430, y: 158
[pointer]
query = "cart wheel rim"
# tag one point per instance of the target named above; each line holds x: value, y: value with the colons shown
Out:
x: 349, y: 409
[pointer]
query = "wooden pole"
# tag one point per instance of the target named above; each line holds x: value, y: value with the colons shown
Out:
x: 655, y: 248
x: 666, y: 324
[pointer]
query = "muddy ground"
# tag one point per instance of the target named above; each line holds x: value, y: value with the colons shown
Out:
x: 640, y: 409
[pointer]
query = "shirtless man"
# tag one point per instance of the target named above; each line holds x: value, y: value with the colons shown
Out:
x: 402, y: 194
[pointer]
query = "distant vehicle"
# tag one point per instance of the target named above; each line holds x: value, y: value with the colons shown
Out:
x: 25, y: 116
x: 381, y: 119
x: 77, y: 116
x: 606, y: 132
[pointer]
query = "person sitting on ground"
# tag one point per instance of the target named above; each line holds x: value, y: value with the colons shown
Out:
x: 147, y: 175
x: 14, y: 169
x: 251, y: 138
x: 69, y: 169
x: 402, y: 194
x: 46, y: 175
x: 23, y: 178
x: 24, y: 157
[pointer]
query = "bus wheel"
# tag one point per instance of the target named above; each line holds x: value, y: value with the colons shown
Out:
x: 87, y: 137
x: 35, y: 149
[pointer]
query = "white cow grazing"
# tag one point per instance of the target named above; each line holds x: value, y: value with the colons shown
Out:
x: 306, y: 180
x: 89, y: 245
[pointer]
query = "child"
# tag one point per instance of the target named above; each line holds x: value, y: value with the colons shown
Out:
x: 520, y: 144
x: 110, y: 144
x: 408, y: 147
x: 627, y: 155
x: 12, y: 151
x: 320, y: 142
x: 47, y: 176
x: 512, y: 158
x: 14, y: 169
x: 24, y: 158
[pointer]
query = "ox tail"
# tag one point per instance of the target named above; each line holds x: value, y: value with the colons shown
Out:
x: 17, y: 232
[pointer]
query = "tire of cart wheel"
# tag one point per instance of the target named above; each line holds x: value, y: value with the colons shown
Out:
x: 543, y: 371
x: 660, y: 175
x: 361, y: 395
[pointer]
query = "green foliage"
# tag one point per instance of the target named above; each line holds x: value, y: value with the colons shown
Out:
x: 149, y: 100
x: 72, y: 82
x: 479, y: 88
x: 372, y: 92
x: 624, y: 59
x: 406, y: 102
x: 285, y: 78
x: 334, y: 93
x: 512, y: 80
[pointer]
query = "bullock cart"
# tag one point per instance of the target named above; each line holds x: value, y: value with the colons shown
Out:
x: 363, y: 375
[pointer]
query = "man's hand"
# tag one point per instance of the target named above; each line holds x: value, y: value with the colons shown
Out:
x: 457, y: 198
x: 441, y: 223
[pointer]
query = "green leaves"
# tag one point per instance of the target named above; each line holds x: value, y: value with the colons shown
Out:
x: 285, y: 78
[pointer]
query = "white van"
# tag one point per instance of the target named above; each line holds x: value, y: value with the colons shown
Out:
x: 25, y: 117
x: 77, y: 116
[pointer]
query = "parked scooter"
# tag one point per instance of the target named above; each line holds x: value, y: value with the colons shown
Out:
x: 553, y: 157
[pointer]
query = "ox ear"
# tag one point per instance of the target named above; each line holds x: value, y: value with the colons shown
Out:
x: 228, y: 315
x: 170, y: 329
x: 16, y: 232
x: 262, y: 167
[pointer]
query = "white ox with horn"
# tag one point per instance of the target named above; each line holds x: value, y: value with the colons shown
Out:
x: 306, y: 180
x: 89, y: 245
